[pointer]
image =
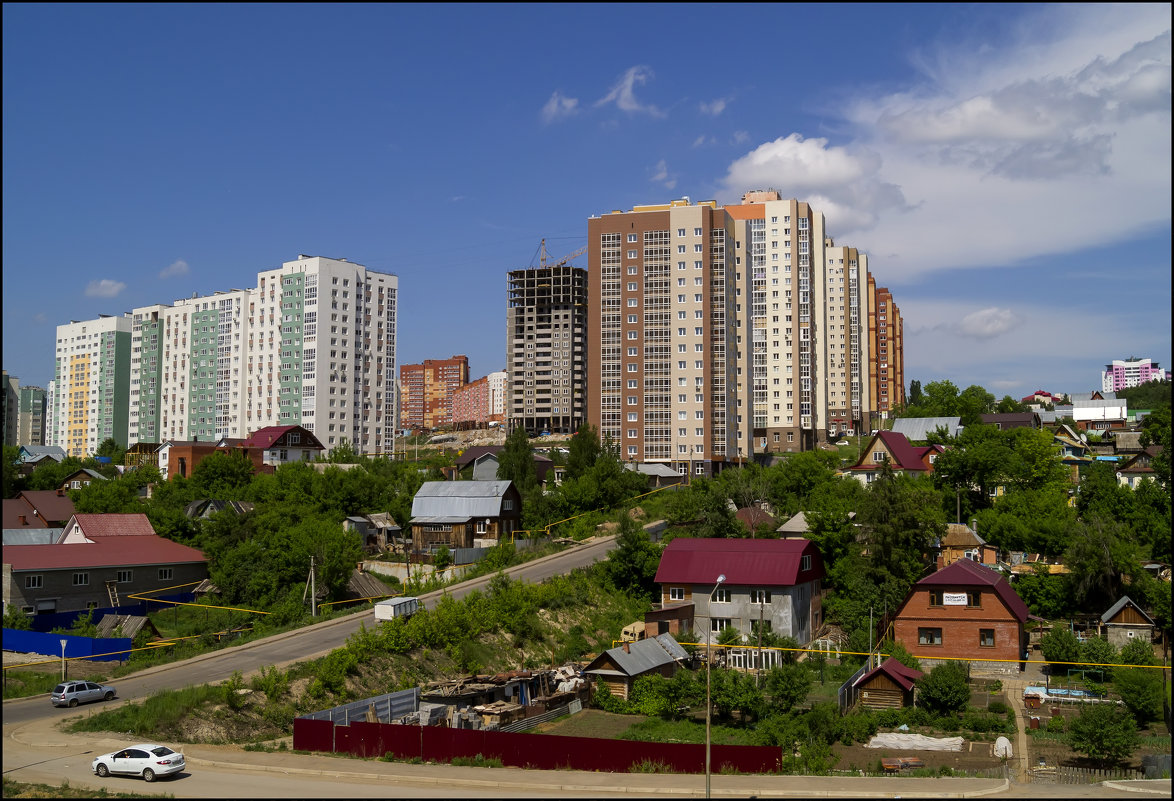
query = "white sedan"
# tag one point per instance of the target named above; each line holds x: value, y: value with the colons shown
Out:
x: 148, y: 761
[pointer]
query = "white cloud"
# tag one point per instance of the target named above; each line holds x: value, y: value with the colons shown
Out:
x: 704, y: 140
x: 105, y: 288
x: 714, y: 108
x: 178, y: 267
x: 987, y: 323
x: 559, y: 107
x: 623, y: 93
x: 1052, y: 140
x: 740, y: 137
x: 40, y: 317
x: 661, y: 176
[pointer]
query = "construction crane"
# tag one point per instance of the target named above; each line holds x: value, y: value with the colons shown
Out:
x: 542, y: 257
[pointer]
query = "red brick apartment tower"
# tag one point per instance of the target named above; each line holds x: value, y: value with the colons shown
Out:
x: 887, y: 366
x: 426, y: 391
x: 661, y: 334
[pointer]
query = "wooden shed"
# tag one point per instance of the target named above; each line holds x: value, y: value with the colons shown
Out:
x: 887, y: 686
x: 618, y: 668
x: 1125, y: 621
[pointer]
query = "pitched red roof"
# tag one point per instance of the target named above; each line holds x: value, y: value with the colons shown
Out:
x: 968, y: 573
x: 110, y: 552
x: 752, y: 517
x: 899, y: 673
x: 264, y: 437
x: 904, y: 455
x: 756, y: 562
x: 15, y: 509
x: 114, y: 525
x: 49, y: 504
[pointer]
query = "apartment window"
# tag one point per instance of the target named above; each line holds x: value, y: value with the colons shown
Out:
x: 986, y: 638
x: 676, y: 593
x: 929, y: 636
x: 125, y: 576
x: 631, y: 433
x: 633, y: 238
x: 81, y: 579
x: 34, y: 582
x: 166, y: 574
x: 722, y: 595
x: 760, y: 596
x: 631, y: 450
x: 716, y: 624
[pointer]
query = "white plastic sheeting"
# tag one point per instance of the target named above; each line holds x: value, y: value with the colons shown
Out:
x: 1003, y: 747
x: 915, y: 742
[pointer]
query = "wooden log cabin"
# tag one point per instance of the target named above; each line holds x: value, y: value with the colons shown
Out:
x: 887, y: 686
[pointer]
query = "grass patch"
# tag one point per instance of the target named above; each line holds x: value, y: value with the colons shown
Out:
x: 649, y: 766
x: 15, y: 789
x: 656, y: 730
x: 592, y: 723
x: 159, y: 714
x: 478, y: 761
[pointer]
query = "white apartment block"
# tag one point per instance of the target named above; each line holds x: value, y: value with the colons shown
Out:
x: 322, y: 352
x: 90, y: 382
x: 497, y: 394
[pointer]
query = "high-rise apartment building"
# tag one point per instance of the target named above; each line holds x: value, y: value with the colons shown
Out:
x: 887, y: 369
x: 11, y: 408
x: 661, y: 334
x: 427, y: 389
x: 777, y: 310
x: 1131, y: 372
x: 479, y: 402
x: 92, y: 384
x: 31, y: 417
x: 546, y: 329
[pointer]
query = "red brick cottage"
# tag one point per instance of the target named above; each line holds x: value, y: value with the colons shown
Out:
x: 964, y: 611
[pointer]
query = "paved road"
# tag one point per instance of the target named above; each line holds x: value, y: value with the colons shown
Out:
x: 303, y: 644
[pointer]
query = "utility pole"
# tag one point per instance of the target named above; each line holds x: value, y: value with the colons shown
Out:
x: 313, y: 590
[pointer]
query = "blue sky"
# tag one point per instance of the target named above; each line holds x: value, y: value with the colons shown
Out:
x: 1007, y: 168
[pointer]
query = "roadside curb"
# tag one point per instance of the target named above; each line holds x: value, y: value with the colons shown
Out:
x: 1132, y: 788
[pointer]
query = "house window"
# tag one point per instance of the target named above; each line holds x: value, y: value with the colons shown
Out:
x: 716, y: 624
x: 878, y: 456
x: 760, y: 596
x: 507, y: 504
x: 125, y: 576
x: 81, y: 579
x: 935, y: 597
x: 34, y: 582
x: 482, y: 526
x: 805, y: 562
x: 986, y: 638
x: 722, y: 595
x: 929, y: 636
x: 166, y: 573
x: 91, y: 604
x: 676, y: 593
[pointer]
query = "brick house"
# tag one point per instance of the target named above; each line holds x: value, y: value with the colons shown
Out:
x: 773, y: 583
x: 964, y: 611
x: 94, y: 557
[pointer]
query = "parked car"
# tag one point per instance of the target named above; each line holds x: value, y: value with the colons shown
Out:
x: 146, y: 760
x: 72, y: 693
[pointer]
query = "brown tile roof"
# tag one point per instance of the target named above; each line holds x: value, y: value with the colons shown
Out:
x: 49, y: 504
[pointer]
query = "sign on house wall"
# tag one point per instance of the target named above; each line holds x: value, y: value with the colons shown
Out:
x: 954, y: 598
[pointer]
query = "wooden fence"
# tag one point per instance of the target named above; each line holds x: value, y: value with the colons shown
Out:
x: 1070, y: 775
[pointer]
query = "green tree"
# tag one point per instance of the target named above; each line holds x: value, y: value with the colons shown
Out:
x: 1104, y: 732
x: 343, y: 453
x: 1009, y: 405
x: 915, y: 396
x: 14, y: 482
x: 14, y: 618
x: 941, y: 399
x: 1046, y: 594
x: 1098, y: 651
x: 583, y: 452
x: 1157, y: 430
x: 113, y: 496
x: 442, y: 558
x: 1060, y: 645
x: 973, y: 402
x: 945, y: 689
x: 516, y: 462
x: 1141, y: 691
x: 1138, y: 651
x: 787, y: 686
x: 899, y: 652
x: 632, y: 565
x: 1101, y: 558
x: 111, y: 450
x: 900, y: 517
x: 222, y: 476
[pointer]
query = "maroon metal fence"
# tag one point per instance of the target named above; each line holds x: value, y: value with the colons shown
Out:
x: 541, y: 751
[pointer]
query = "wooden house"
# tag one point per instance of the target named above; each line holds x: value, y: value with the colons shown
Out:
x: 618, y: 668
x: 1125, y: 621
x: 887, y: 686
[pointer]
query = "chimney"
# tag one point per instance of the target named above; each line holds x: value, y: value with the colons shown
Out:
x: 23, y: 520
x: 627, y: 647
x: 359, y: 567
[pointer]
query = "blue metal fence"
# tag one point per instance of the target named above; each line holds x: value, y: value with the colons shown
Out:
x: 36, y: 642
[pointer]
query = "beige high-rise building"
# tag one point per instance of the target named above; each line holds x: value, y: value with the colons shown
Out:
x: 546, y: 329
x: 661, y: 334
x: 765, y: 313
x: 92, y: 384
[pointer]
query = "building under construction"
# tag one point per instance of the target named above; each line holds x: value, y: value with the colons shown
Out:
x: 546, y: 328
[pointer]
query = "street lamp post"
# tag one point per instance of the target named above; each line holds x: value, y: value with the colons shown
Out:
x: 63, y: 644
x: 708, y: 655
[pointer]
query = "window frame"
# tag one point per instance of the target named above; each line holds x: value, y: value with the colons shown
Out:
x: 929, y: 636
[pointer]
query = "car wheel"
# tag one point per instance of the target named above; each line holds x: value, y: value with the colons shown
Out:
x: 108, y: 697
x: 103, y: 771
x: 72, y: 702
x: 148, y: 775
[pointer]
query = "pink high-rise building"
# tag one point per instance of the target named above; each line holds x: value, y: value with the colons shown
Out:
x: 1124, y: 373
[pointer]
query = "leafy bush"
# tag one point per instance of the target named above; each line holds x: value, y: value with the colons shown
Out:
x: 1141, y: 690
x: 1056, y: 724
x: 1104, y: 732
x: 1060, y: 645
x: 945, y: 688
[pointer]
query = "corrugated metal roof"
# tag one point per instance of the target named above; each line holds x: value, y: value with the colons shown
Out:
x: 756, y: 563
x: 917, y: 428
x: 1121, y: 604
x: 459, y: 499
x: 31, y: 536
x: 644, y: 655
